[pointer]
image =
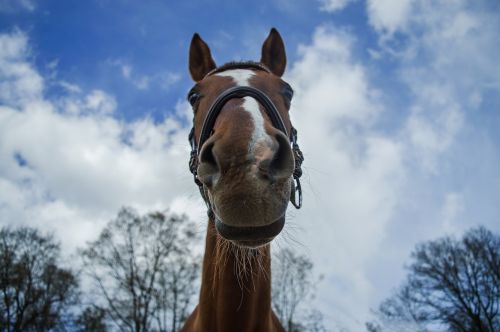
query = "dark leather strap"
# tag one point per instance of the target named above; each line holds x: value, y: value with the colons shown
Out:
x: 239, y: 92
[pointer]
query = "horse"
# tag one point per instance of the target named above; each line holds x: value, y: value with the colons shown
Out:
x: 246, y: 163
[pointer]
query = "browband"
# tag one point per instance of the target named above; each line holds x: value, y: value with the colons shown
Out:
x: 238, y: 65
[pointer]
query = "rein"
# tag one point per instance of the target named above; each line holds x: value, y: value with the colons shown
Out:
x: 276, y: 120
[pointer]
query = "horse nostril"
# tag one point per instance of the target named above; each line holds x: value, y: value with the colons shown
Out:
x: 281, y: 165
x: 208, y: 169
x: 207, y: 154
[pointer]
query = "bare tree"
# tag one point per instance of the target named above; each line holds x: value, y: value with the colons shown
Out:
x: 292, y: 285
x: 91, y: 319
x: 174, y: 293
x: 455, y: 284
x: 397, y: 314
x: 143, y: 271
x: 36, y: 294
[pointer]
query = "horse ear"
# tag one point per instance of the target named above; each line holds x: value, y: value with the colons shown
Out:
x: 273, y: 53
x: 200, y: 58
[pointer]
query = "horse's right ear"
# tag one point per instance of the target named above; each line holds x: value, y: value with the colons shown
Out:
x: 200, y: 58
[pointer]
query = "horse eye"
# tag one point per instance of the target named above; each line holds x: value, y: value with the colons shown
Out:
x: 193, y: 97
x: 288, y: 93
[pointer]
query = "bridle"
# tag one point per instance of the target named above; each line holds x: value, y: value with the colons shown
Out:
x: 274, y: 116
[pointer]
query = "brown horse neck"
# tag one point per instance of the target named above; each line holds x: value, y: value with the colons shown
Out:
x: 235, y: 291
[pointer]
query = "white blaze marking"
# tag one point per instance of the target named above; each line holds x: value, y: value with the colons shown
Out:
x: 242, y: 77
x: 259, y: 134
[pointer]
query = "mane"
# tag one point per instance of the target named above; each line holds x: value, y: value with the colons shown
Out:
x: 239, y: 65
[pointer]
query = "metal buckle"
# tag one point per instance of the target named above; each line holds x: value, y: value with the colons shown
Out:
x: 297, y: 188
x: 297, y: 172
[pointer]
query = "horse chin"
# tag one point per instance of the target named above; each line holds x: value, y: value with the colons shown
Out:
x: 250, y: 236
x: 252, y: 244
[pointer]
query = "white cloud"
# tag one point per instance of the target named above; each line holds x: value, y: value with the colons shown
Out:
x: 363, y: 184
x: 431, y: 134
x: 446, y: 54
x: 387, y: 16
x: 168, y: 79
x: 326, y: 80
x: 453, y: 41
x: 452, y: 208
x: 143, y: 82
x: 334, y: 5
x: 353, y: 174
x: 20, y: 83
x: 12, y: 6
x: 70, y: 87
x: 68, y: 165
x: 445, y: 59
x: 100, y: 102
x: 126, y: 70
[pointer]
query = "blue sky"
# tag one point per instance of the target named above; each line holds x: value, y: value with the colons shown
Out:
x: 396, y: 102
x: 90, y: 40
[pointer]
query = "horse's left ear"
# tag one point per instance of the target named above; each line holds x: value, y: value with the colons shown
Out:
x: 273, y: 53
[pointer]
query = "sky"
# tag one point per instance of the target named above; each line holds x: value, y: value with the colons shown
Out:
x: 396, y: 102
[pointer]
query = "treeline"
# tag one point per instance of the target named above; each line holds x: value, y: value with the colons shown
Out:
x: 139, y: 275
